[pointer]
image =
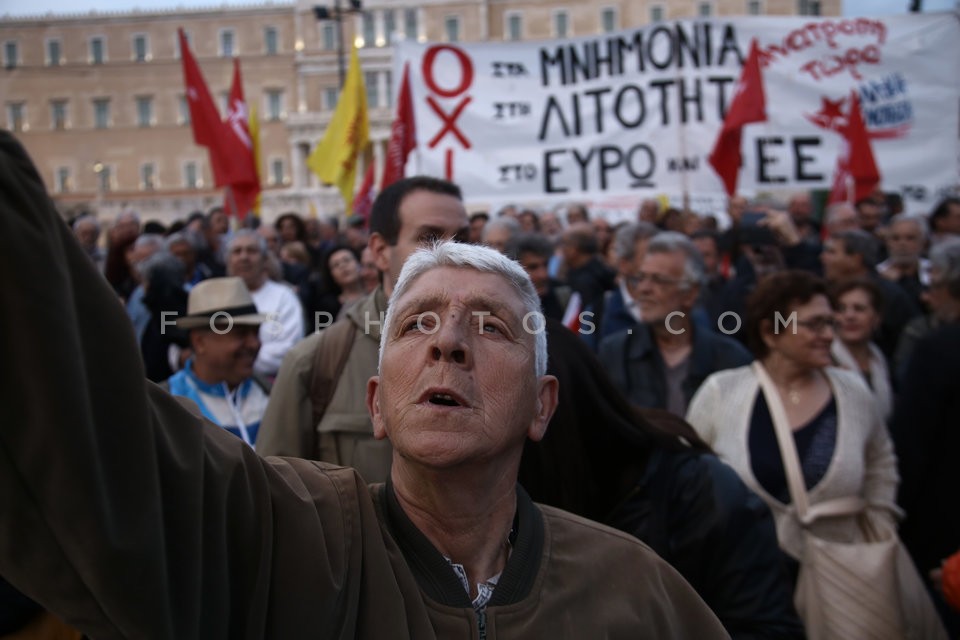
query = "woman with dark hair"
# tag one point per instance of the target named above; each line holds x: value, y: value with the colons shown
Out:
x: 335, y: 289
x: 291, y: 228
x: 859, y: 311
x: 647, y: 473
x: 841, y: 441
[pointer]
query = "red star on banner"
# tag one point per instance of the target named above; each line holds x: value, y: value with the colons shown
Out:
x: 830, y: 116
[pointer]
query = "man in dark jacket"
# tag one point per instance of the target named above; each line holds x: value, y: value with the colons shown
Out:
x: 130, y: 516
x: 662, y: 361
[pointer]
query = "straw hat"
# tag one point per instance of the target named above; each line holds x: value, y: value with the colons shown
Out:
x: 228, y: 297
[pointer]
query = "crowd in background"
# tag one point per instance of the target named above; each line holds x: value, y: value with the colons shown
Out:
x: 670, y: 311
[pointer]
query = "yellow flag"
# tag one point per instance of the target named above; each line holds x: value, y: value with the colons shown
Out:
x: 335, y: 158
x: 254, y: 125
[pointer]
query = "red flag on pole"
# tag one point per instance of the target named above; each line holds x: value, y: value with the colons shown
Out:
x: 403, y: 134
x: 244, y: 178
x: 749, y: 104
x: 363, y: 202
x: 857, y: 174
x: 204, y: 117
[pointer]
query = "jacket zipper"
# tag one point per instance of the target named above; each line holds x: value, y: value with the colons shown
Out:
x: 482, y: 624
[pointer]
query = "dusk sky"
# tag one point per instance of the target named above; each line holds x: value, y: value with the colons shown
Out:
x: 39, y: 7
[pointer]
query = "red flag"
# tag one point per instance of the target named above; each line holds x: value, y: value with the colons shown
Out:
x: 244, y: 180
x: 857, y: 175
x: 363, y: 202
x: 749, y: 104
x: 204, y: 118
x: 403, y: 134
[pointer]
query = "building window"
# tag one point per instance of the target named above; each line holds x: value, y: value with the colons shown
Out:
x: 58, y: 115
x: 270, y: 41
x: 561, y: 24
x: 753, y: 7
x: 104, y: 177
x: 410, y: 24
x: 226, y: 43
x: 608, y: 19
x: 514, y: 26
x: 329, y: 36
x: 54, y: 55
x: 184, y: 110
x: 809, y: 8
x: 190, y: 179
x: 148, y: 176
x: 330, y: 98
x: 10, y: 54
x: 276, y: 172
x: 390, y: 26
x: 451, y: 28
x: 274, y: 104
x: 101, y: 113
x: 656, y: 13
x: 368, y: 29
x: 141, y: 48
x: 388, y: 76
x: 97, y: 51
x: 144, y: 111
x: 16, y: 116
x: 62, y: 180
x: 371, y: 80
x: 704, y: 10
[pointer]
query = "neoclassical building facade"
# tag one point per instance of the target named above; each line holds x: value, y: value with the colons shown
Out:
x: 98, y: 98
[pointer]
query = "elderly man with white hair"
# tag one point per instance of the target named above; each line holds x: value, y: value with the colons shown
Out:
x: 906, y: 240
x: 247, y: 258
x: 140, y: 519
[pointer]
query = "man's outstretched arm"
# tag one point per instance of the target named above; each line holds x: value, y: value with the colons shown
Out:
x: 119, y: 509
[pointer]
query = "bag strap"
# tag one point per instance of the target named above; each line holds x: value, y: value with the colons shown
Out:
x: 330, y: 357
x: 791, y: 460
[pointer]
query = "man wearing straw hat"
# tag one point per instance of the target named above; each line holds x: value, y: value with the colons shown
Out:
x: 223, y: 323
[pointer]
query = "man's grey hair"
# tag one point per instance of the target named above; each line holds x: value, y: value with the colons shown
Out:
x: 626, y: 237
x: 87, y: 219
x: 535, y: 243
x: 195, y: 240
x: 248, y: 233
x: 919, y: 221
x: 127, y: 215
x: 478, y: 258
x: 860, y: 243
x: 945, y: 257
x: 506, y: 222
x: 834, y: 210
x: 148, y: 240
x: 162, y: 262
x: 694, y: 272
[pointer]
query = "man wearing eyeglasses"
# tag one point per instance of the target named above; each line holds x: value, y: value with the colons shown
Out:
x: 662, y: 361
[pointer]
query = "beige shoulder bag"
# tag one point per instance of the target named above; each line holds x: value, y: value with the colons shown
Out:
x: 868, y: 589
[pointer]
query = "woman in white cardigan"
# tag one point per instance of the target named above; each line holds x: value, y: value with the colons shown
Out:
x: 842, y: 443
x: 859, y: 306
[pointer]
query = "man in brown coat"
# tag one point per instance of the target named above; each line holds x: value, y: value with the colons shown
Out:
x: 130, y: 516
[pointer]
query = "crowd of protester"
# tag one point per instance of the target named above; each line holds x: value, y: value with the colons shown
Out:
x: 665, y: 314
